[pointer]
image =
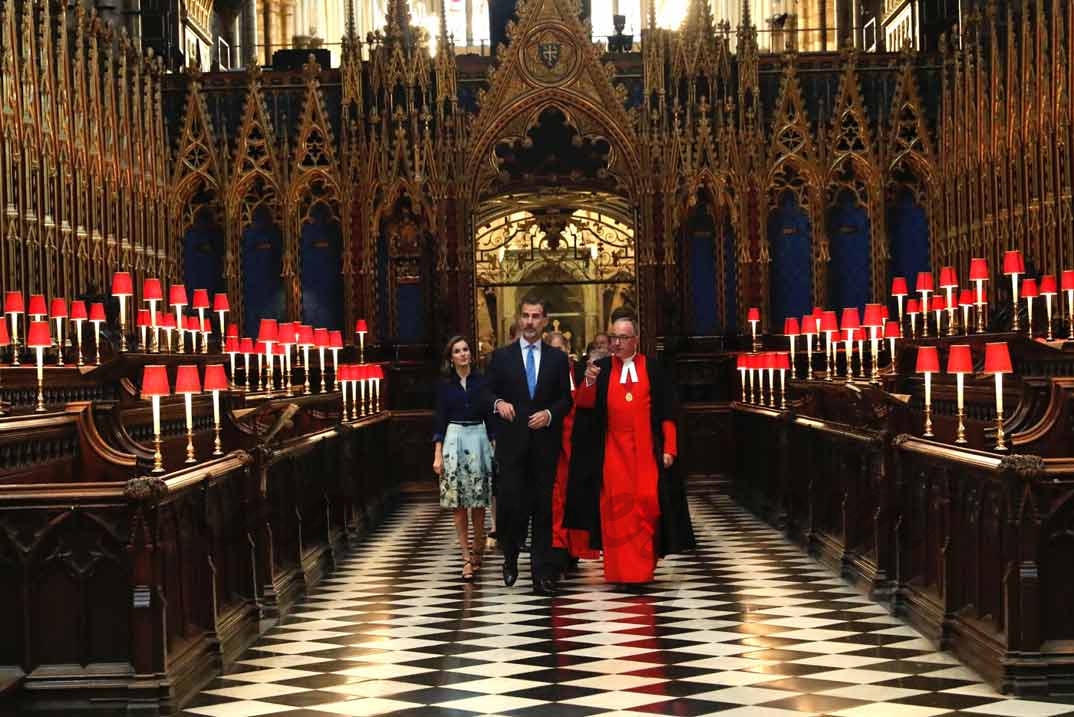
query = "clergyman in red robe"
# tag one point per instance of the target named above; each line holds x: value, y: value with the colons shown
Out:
x: 642, y: 503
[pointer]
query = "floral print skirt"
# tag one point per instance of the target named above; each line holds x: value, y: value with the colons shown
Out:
x: 467, y: 478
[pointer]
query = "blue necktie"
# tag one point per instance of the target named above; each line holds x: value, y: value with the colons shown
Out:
x: 531, y: 370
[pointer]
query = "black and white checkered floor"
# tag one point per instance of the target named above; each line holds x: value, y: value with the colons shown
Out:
x: 747, y: 627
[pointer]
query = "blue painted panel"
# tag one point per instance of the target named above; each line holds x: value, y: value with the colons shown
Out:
x: 848, y: 272
x: 790, y: 238
x: 703, y: 283
x: 322, y: 265
x: 908, y: 232
x: 262, y: 264
x: 203, y: 254
x: 730, y: 263
x: 411, y: 313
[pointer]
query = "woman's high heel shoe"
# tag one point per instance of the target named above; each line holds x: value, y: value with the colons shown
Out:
x: 478, y: 555
x: 468, y: 571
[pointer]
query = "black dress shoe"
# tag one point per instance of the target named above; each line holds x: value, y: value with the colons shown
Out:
x: 544, y: 586
x: 510, y: 571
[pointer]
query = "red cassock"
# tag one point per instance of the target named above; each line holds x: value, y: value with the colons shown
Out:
x: 576, y: 542
x: 629, y: 503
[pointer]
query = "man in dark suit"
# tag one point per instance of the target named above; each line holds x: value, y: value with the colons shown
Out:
x: 530, y: 393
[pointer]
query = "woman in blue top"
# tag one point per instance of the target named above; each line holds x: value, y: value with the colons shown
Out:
x: 462, y: 455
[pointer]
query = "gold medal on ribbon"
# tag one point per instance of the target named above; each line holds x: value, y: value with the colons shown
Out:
x: 629, y: 396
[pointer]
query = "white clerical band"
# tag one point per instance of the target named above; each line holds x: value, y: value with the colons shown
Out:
x: 628, y: 370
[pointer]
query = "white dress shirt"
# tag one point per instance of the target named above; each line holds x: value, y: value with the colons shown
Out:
x: 629, y: 371
x: 536, y: 354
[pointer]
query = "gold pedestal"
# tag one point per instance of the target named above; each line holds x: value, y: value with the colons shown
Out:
x: 218, y: 449
x: 158, y: 458
x: 1001, y: 445
x: 928, y: 421
x: 961, y: 435
x: 190, y: 457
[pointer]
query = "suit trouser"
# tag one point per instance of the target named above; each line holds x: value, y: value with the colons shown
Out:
x: 524, y: 491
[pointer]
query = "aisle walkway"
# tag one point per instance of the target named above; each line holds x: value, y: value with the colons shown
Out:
x: 749, y: 627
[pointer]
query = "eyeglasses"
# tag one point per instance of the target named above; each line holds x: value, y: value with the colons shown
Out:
x: 615, y: 338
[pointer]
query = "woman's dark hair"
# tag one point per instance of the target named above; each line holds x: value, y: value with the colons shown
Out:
x: 449, y: 366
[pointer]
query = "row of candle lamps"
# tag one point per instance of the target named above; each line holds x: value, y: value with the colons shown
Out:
x: 362, y: 398
x: 974, y: 299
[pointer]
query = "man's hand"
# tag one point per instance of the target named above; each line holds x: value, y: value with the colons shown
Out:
x: 668, y: 460
x: 506, y: 411
x: 540, y: 420
x: 591, y: 372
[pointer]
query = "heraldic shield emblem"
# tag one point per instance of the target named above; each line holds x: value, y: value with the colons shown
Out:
x: 549, y: 52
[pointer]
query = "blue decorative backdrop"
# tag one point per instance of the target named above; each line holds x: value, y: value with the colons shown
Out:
x: 908, y: 232
x: 790, y: 241
x: 848, y: 242
x: 703, y: 278
x: 262, y: 264
x: 322, y: 261
x: 203, y: 247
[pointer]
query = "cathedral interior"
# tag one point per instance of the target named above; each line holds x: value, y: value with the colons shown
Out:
x: 754, y: 179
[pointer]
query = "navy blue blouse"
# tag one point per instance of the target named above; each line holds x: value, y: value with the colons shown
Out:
x: 457, y: 404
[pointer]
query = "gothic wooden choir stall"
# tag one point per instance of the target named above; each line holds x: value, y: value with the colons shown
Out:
x: 224, y: 294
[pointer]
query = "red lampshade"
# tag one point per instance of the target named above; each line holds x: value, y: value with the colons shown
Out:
x: 1013, y: 263
x: 5, y: 336
x: 287, y: 332
x: 851, y: 320
x: 58, y: 308
x: 937, y: 303
x: 884, y: 312
x: 967, y: 297
x: 343, y: 372
x: 177, y: 295
x: 233, y: 331
x: 1066, y: 283
x: 246, y: 346
x: 924, y: 281
x: 13, y: 302
x: 790, y: 326
x: 201, y: 299
x: 928, y: 360
x: 220, y: 302
x: 809, y: 325
x: 78, y: 310
x: 280, y: 349
x: 978, y: 270
x: 187, y: 380
x: 913, y: 307
x: 828, y: 322
x: 997, y: 358
x: 166, y: 321
x: 231, y: 345
x: 378, y: 372
x: 37, y: 305
x: 783, y: 361
x: 1029, y: 288
x: 151, y: 290
x: 818, y: 312
x: 335, y: 339
x: 754, y: 314
x: 360, y: 326
x: 155, y: 381
x: 892, y: 330
x: 1047, y: 285
x: 38, y: 336
x: 948, y: 277
x: 898, y: 286
x: 215, y: 377
x: 873, y: 316
x: 322, y: 339
x: 122, y: 284
x: 305, y: 335
x: 959, y: 359
x: 143, y: 318
x: 96, y: 312
x: 268, y: 330
x: 191, y: 323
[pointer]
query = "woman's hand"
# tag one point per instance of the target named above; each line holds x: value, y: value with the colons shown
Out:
x: 438, y: 463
